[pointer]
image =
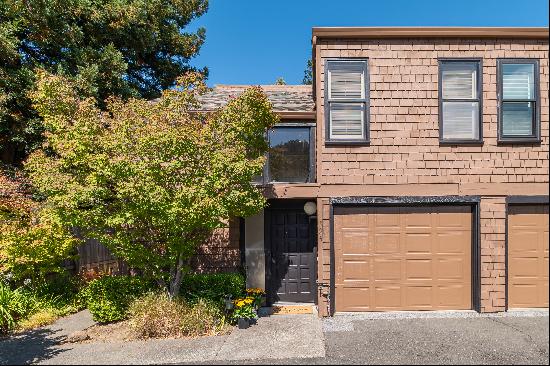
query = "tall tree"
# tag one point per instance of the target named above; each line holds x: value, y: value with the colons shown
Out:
x: 127, y: 48
x: 150, y: 180
x: 308, y: 73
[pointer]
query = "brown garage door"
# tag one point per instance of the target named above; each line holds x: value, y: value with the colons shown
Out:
x: 528, y: 256
x: 402, y: 258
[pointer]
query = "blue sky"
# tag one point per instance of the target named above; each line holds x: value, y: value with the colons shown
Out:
x: 255, y: 42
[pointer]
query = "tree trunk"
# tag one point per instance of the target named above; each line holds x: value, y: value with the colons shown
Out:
x: 175, y: 278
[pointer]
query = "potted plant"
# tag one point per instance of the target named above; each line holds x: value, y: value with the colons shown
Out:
x: 244, y: 312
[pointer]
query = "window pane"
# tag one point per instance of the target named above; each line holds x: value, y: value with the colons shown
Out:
x: 347, y: 121
x: 459, y: 80
x: 289, y: 154
x: 461, y: 120
x: 518, y: 81
x: 517, y: 119
x: 346, y: 80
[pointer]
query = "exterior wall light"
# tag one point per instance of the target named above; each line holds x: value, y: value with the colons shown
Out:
x: 310, y: 208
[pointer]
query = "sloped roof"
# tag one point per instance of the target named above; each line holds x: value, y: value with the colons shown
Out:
x: 285, y: 98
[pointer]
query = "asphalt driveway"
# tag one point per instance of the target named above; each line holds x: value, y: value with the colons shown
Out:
x: 388, y: 338
x: 452, y: 339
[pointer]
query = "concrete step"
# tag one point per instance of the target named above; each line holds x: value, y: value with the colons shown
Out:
x: 287, y: 309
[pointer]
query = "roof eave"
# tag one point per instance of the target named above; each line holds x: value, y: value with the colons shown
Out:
x: 431, y: 32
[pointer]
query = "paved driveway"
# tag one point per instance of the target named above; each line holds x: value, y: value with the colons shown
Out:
x: 274, y: 337
x: 461, y: 338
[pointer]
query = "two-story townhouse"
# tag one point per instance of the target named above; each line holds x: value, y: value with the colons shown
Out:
x: 416, y: 178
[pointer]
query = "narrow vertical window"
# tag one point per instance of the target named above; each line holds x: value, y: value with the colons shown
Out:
x: 460, y: 101
x: 518, y: 94
x: 347, y: 101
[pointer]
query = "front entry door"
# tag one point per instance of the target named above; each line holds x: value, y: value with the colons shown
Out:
x: 291, y: 276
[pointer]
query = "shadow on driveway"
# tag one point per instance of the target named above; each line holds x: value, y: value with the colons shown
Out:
x: 29, y: 347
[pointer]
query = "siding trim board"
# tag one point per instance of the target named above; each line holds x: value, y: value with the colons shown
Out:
x: 430, y: 32
x: 516, y: 200
x: 473, y: 201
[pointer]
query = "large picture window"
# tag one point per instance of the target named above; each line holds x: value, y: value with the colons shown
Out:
x: 346, y: 101
x: 460, y: 118
x: 518, y: 100
x: 290, y: 156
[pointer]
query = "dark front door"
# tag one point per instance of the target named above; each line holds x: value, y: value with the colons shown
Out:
x: 291, y: 258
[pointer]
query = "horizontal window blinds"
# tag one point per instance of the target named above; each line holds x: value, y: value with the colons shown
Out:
x: 346, y: 81
x: 517, y: 81
x: 347, y: 99
x: 346, y: 121
x: 518, y: 99
x: 459, y: 81
x: 460, y: 104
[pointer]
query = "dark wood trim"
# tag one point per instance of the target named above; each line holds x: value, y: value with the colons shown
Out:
x: 332, y: 297
x: 528, y: 200
x: 479, y: 100
x: 473, y: 201
x: 430, y: 32
x: 535, y: 138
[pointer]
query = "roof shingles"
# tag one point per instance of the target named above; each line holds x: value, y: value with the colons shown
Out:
x: 285, y: 98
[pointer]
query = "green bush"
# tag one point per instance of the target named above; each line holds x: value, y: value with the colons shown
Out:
x: 14, y: 305
x: 62, y: 287
x: 156, y: 316
x: 214, y: 287
x: 109, y: 297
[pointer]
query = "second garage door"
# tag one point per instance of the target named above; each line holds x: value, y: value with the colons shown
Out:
x: 402, y: 258
x: 528, y: 256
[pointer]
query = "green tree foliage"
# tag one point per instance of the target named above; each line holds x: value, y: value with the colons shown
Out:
x: 150, y: 180
x: 308, y: 73
x: 33, y: 241
x: 280, y: 81
x: 107, y: 47
x: 34, y: 246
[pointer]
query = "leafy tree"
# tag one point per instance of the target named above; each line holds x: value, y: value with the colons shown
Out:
x: 150, y: 180
x: 280, y: 81
x: 126, y: 48
x: 308, y: 73
x: 34, y: 246
x: 33, y: 241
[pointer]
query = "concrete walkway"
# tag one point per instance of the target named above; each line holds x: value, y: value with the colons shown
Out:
x: 275, y: 337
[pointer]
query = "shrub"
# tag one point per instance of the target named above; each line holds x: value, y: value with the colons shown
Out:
x: 156, y: 316
x: 214, y: 287
x: 40, y: 318
x: 14, y: 305
x: 34, y: 245
x: 109, y: 297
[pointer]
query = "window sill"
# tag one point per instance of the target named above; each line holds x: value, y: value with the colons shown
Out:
x: 460, y: 142
x: 519, y: 141
x: 347, y: 143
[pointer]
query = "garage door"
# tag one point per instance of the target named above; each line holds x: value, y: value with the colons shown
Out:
x: 528, y: 256
x: 402, y: 258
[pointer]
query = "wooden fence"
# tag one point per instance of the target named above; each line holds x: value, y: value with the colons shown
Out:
x: 94, y: 256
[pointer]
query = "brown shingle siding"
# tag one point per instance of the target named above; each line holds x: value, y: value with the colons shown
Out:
x: 405, y: 157
x: 404, y: 116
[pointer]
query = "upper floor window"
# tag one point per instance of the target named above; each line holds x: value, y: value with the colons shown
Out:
x: 518, y: 100
x: 460, y: 118
x: 290, y: 155
x: 346, y: 101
